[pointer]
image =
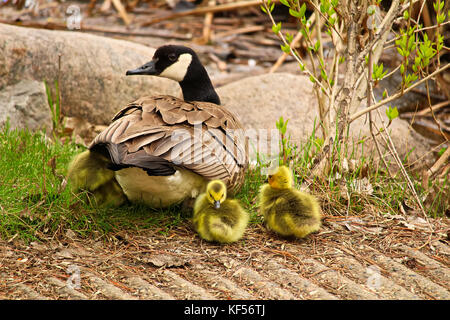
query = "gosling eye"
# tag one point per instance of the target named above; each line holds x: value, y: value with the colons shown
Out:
x: 270, y: 176
x: 172, y: 57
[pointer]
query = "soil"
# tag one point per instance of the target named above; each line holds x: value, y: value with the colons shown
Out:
x: 350, y: 258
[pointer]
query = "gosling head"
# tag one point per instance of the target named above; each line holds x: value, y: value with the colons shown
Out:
x: 280, y: 178
x: 216, y: 193
x: 181, y: 64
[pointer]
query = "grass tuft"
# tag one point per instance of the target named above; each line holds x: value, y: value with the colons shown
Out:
x: 36, y: 202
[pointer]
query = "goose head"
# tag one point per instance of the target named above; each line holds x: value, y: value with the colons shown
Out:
x: 216, y: 193
x: 280, y: 178
x: 181, y: 64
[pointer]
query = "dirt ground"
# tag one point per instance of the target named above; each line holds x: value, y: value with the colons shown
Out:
x: 350, y: 258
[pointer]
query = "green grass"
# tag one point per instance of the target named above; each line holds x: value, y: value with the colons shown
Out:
x: 36, y: 203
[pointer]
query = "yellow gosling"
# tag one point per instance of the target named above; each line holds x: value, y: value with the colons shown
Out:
x: 286, y: 210
x: 217, y: 218
x: 88, y: 171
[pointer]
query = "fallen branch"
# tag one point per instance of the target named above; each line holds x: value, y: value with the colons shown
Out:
x: 248, y: 29
x: 435, y: 168
x: 122, y: 12
x: 52, y: 25
x: 433, y: 108
x: 204, y: 10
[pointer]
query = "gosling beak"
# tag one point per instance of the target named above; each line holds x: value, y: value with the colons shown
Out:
x: 217, y: 204
x: 146, y: 69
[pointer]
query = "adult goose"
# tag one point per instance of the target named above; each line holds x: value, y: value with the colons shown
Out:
x: 162, y: 150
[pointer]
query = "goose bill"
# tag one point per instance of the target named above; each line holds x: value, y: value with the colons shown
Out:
x: 147, y: 69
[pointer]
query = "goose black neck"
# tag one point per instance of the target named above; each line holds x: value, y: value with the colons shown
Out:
x: 197, y: 86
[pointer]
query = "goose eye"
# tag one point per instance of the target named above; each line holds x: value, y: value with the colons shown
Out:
x: 172, y: 57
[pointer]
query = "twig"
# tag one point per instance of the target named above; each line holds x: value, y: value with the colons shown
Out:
x: 122, y: 12
x: 106, y: 5
x: 427, y: 21
x: 435, y: 168
x: 369, y: 103
x: 394, y: 152
x: 317, y: 12
x: 248, y: 29
x: 432, y: 112
x: 207, y: 25
x: 293, y: 51
x: 91, y: 6
x: 418, y: 30
x: 433, y: 108
x: 356, y: 115
x: 294, y: 42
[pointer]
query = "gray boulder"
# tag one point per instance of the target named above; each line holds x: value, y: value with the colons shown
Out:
x: 92, y: 72
x: 25, y: 105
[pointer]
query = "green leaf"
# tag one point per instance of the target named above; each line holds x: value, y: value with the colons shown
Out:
x: 276, y: 28
x: 311, y: 78
x: 392, y: 113
x: 263, y: 9
x: 285, y: 2
x: 406, y: 15
x: 316, y: 46
x: 294, y: 13
x: 289, y: 37
x: 286, y: 48
x: 302, y: 10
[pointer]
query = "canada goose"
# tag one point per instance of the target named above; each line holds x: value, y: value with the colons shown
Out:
x: 217, y: 218
x: 163, y: 149
x: 286, y: 210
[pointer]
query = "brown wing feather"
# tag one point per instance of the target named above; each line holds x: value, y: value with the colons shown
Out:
x: 162, y: 131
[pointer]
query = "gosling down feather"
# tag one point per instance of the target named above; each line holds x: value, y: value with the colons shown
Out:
x: 217, y: 218
x: 163, y: 150
x: 286, y: 210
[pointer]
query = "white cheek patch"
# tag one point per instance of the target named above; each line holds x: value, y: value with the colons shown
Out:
x: 178, y: 70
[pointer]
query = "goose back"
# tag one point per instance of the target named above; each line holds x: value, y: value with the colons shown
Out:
x: 162, y: 133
